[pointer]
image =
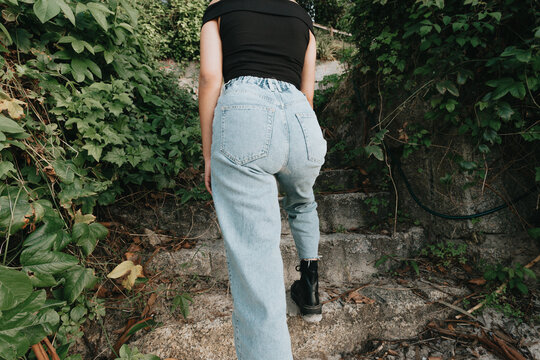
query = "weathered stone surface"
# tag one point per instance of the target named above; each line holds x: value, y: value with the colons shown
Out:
x: 339, y: 212
x: 396, y: 313
x: 337, y: 180
x: 350, y: 210
x: 344, y: 257
x: 504, y: 248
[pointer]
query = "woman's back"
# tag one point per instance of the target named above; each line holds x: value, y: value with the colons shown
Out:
x: 262, y: 38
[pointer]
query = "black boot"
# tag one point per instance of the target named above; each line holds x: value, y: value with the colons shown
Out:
x: 305, y: 292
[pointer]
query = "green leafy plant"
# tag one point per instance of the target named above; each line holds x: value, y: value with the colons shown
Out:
x: 127, y: 353
x: 499, y: 301
x: 515, y: 275
x: 172, y: 27
x: 375, y: 204
x: 404, y: 262
x: 474, y: 64
x: 446, y: 252
x: 84, y: 112
x: 182, y: 301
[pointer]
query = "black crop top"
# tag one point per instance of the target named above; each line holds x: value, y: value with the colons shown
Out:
x: 264, y: 38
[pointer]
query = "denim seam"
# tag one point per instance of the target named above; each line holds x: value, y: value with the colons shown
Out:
x: 300, y: 116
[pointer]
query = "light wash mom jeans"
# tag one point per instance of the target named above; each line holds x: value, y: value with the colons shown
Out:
x: 263, y: 130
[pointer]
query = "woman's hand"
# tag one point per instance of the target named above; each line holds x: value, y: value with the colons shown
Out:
x: 207, y: 178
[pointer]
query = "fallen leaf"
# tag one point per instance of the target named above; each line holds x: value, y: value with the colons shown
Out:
x: 155, y: 238
x: 135, y: 258
x: 127, y: 268
x: 102, y: 292
x: 14, y: 108
x: 441, y: 268
x: 467, y: 268
x: 478, y: 281
x: 134, y: 248
x: 151, y: 300
x: 451, y: 327
x: 357, y: 298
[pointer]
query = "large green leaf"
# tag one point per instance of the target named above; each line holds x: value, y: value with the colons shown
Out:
x: 6, y: 168
x: 78, y: 69
x: 67, y: 11
x: 77, y: 279
x: 45, y: 10
x: 14, y: 213
x: 25, y: 329
x: 9, y: 126
x: 93, y: 67
x: 99, y: 231
x: 44, y: 237
x: 99, y: 12
x: 47, y: 262
x: 15, y: 286
x: 29, y: 304
x: 42, y: 280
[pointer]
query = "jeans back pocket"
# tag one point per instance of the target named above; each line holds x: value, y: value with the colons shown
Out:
x: 315, y: 142
x: 246, y: 132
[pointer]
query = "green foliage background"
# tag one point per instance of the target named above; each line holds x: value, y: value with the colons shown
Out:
x: 172, y: 27
x: 85, y: 113
x: 475, y: 63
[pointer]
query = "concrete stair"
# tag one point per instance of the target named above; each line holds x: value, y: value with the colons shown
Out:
x: 385, y: 310
x: 345, y: 257
x: 337, y: 211
x: 381, y: 308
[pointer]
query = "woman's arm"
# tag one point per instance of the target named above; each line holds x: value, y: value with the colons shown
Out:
x: 210, y: 81
x: 307, y: 85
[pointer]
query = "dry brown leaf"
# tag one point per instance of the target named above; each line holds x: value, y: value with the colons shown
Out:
x: 357, y: 298
x: 102, y: 292
x: 434, y: 358
x: 441, y: 268
x: 51, y: 174
x: 467, y: 268
x: 392, y: 352
x: 135, y: 258
x: 451, y: 327
x: 151, y: 301
x: 478, y: 281
x: 134, y: 248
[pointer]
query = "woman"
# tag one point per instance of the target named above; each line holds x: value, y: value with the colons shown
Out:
x: 259, y: 130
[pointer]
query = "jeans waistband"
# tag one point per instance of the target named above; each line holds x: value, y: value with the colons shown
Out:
x: 269, y: 83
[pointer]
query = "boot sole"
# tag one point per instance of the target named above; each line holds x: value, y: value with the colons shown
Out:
x: 307, y: 309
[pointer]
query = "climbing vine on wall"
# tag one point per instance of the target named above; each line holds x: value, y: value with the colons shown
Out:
x: 475, y: 63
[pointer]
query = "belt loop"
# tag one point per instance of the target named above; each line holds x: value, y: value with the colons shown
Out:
x: 271, y: 84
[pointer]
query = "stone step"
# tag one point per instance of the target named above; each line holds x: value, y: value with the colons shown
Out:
x: 337, y: 212
x: 337, y: 180
x: 345, y: 257
x: 382, y: 310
